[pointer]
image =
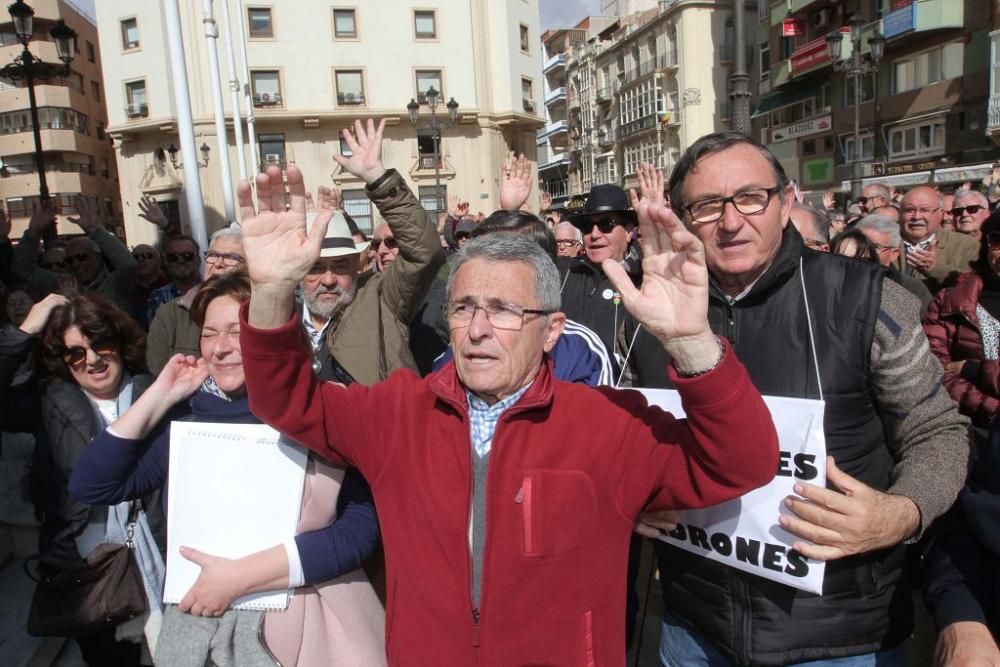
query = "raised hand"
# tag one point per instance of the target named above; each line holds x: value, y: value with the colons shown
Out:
x: 42, y: 218
x: 546, y: 201
x: 365, y: 161
x: 515, y: 185
x: 181, y: 377
x: 650, y: 187
x: 457, y: 208
x: 40, y: 313
x: 88, y: 218
x: 150, y: 210
x: 673, y: 302
x: 279, y: 251
x: 328, y: 199
x: 215, y: 588
x: 829, y: 201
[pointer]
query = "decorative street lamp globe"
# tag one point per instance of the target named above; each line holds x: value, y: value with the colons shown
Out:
x: 65, y: 39
x: 23, y: 20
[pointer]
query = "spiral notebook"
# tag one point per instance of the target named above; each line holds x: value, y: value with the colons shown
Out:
x: 235, y: 489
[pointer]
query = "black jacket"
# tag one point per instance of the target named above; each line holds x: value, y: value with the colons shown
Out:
x: 753, y: 620
x: 962, y: 563
x: 588, y: 297
x: 68, y: 425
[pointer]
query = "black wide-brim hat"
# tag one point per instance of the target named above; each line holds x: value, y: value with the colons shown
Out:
x: 602, y: 200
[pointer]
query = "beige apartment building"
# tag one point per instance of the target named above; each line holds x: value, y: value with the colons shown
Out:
x: 643, y: 87
x: 315, y: 66
x: 79, y: 158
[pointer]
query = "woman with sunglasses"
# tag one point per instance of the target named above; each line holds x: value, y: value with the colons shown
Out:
x: 93, y: 353
x: 334, y: 617
x: 963, y: 329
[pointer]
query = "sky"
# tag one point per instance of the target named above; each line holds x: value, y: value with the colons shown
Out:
x: 566, y: 13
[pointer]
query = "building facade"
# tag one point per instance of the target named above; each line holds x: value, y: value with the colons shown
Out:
x: 921, y: 116
x: 79, y: 159
x: 645, y: 86
x: 553, y: 138
x: 316, y: 66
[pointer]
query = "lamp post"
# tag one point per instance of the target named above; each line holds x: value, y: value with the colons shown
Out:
x: 31, y: 69
x: 856, y: 66
x: 435, y: 126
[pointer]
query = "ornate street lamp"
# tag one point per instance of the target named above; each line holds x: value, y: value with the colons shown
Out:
x: 31, y: 69
x: 435, y: 126
x: 856, y: 66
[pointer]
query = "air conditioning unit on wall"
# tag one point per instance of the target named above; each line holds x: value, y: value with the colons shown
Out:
x: 822, y: 18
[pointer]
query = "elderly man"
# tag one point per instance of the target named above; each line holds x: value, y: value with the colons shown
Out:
x: 883, y: 232
x: 385, y: 247
x: 872, y: 196
x: 85, y: 257
x: 897, y: 444
x: 569, y: 240
x: 969, y: 211
x: 524, y: 564
x: 183, y: 269
x: 890, y: 211
x: 359, y: 323
x: 607, y: 222
x: 172, y: 329
x: 813, y: 226
x: 934, y: 255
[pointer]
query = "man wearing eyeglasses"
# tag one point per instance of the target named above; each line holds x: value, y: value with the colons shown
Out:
x: 183, y: 270
x: 172, y: 330
x: 358, y: 323
x: 569, y: 240
x: 872, y: 196
x: 936, y: 256
x: 85, y: 256
x: 506, y: 497
x: 898, y: 447
x: 970, y: 210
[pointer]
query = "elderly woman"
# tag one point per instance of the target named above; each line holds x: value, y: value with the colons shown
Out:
x: 94, y: 354
x: 337, y: 622
x: 963, y: 329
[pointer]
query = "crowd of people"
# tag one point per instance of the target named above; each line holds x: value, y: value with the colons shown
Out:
x: 480, y: 478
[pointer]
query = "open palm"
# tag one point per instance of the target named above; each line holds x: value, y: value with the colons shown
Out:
x: 278, y: 248
x: 673, y: 300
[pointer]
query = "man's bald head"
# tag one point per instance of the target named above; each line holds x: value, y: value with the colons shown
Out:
x: 922, y: 211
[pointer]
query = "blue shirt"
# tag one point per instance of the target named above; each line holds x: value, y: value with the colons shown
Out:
x: 483, y: 419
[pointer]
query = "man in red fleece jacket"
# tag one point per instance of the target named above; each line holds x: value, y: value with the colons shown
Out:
x: 507, y: 497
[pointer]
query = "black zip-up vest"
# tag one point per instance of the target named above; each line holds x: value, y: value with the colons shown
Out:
x: 865, y: 606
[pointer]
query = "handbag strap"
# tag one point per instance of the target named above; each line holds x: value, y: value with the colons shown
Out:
x: 133, y: 514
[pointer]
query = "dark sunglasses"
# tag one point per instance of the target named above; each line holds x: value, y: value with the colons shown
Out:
x: 52, y: 266
x: 605, y: 225
x: 971, y: 209
x: 77, y: 355
x: 177, y: 257
x: 389, y: 241
x: 78, y: 257
x: 143, y: 256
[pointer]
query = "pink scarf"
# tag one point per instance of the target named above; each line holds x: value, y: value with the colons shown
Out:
x: 339, y: 622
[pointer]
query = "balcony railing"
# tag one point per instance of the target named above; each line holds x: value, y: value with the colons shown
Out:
x: 661, y: 61
x: 645, y: 123
x: 556, y: 61
x: 605, y: 137
x: 993, y: 113
x: 554, y: 128
x: 553, y: 159
x: 555, y: 96
x: 557, y: 188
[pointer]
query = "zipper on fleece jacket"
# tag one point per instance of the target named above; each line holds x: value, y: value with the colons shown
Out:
x: 472, y: 595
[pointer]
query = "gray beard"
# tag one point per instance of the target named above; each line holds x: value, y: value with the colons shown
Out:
x: 326, y: 310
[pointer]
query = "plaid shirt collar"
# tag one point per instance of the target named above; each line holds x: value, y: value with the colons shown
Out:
x: 483, y: 418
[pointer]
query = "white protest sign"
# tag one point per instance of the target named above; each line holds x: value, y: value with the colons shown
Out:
x: 744, y: 533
